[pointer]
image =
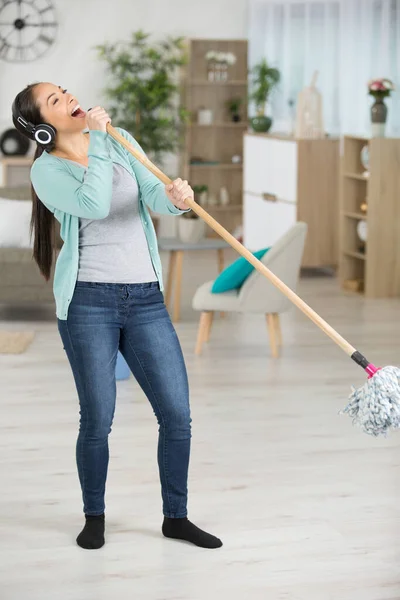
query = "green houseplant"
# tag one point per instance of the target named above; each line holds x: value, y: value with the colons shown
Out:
x: 200, y: 194
x: 264, y: 79
x: 233, y: 105
x: 144, y: 91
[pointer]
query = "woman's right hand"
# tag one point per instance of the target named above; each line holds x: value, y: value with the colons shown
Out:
x: 97, y: 119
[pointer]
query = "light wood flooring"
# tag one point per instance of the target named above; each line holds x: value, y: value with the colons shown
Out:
x: 307, y: 506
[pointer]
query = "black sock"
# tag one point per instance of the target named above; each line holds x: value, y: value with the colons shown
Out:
x: 183, y: 529
x: 92, y: 535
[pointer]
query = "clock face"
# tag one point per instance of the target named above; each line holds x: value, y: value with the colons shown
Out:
x: 27, y: 29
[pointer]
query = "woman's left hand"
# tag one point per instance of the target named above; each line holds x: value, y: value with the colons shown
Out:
x: 178, y: 191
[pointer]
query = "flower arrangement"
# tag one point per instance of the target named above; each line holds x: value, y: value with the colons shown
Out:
x: 227, y: 58
x: 380, y: 88
x: 218, y: 63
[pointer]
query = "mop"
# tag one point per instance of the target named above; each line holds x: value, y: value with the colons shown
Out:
x: 374, y: 407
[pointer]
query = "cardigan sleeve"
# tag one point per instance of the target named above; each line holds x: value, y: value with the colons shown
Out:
x: 151, y: 188
x: 58, y: 189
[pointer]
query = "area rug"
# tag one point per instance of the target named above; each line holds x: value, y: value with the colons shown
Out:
x: 15, y: 342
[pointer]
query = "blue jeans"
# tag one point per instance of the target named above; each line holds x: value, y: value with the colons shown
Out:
x: 103, y: 318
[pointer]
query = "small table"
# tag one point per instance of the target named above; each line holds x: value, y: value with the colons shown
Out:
x: 176, y: 249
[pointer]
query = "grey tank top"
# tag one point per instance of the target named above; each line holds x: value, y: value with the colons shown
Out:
x: 114, y: 249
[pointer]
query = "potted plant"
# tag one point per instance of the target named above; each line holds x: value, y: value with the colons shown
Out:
x: 265, y: 79
x: 191, y: 228
x: 379, y: 89
x: 233, y: 105
x: 200, y: 194
x: 144, y: 91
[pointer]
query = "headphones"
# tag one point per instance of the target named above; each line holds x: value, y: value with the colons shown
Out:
x: 42, y: 134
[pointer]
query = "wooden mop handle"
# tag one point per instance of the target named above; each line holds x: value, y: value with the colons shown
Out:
x: 228, y: 237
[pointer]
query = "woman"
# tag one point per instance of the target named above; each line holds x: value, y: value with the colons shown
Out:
x: 108, y: 291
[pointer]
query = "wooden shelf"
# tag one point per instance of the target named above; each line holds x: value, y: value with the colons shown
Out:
x: 223, y: 208
x: 355, y: 215
x: 239, y: 125
x: 357, y: 255
x: 357, y: 138
x: 356, y: 176
x: 218, y: 83
x: 16, y: 160
x: 225, y: 166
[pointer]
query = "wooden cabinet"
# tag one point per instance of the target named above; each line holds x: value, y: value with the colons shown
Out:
x: 288, y: 180
x: 370, y: 209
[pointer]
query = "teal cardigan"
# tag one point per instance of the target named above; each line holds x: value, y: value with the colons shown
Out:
x: 70, y: 193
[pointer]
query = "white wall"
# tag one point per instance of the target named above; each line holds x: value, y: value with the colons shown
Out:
x: 72, y: 61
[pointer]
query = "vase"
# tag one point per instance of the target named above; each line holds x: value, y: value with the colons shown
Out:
x: 191, y: 231
x: 223, y: 72
x: 211, y: 71
x: 378, y: 117
x: 261, y: 123
x: 220, y: 72
x: 205, y: 116
x: 203, y: 198
x: 224, y: 196
x: 217, y: 75
x: 212, y: 200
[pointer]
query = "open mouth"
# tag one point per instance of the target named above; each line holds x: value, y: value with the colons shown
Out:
x: 78, y: 113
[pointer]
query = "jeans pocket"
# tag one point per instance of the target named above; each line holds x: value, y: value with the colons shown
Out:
x: 87, y: 296
x: 149, y: 293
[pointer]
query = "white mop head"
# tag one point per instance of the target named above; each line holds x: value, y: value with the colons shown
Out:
x: 375, y: 407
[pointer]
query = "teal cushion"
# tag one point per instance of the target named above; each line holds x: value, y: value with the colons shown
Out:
x: 234, y: 276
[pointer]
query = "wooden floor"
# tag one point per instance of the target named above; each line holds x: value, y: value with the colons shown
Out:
x: 307, y: 506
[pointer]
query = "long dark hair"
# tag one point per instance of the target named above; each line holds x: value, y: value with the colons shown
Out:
x: 42, y: 220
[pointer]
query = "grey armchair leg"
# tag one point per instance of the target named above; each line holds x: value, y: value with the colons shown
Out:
x: 278, y: 329
x: 210, y: 319
x: 203, y: 333
x: 273, y: 335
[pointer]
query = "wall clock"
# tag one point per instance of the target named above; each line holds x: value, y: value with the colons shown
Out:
x: 27, y: 29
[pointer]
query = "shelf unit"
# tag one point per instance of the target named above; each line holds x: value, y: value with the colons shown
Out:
x: 373, y: 267
x: 231, y: 82
x: 223, y: 138
x: 219, y: 166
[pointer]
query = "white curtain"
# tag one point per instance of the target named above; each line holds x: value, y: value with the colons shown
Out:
x: 347, y: 41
